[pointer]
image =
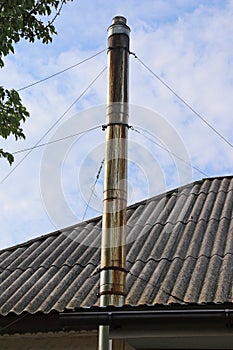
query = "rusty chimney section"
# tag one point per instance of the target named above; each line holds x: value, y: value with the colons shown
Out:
x: 113, y: 249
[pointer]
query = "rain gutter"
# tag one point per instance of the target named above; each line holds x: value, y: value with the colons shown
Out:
x: 122, y: 319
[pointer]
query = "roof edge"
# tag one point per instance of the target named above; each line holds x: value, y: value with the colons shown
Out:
x: 97, y: 218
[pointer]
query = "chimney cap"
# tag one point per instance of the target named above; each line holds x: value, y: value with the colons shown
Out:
x: 118, y: 26
x: 118, y: 20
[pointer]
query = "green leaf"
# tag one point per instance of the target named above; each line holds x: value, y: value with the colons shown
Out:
x: 7, y: 155
x: 29, y: 20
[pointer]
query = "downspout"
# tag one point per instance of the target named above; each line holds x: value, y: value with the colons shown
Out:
x: 113, y: 246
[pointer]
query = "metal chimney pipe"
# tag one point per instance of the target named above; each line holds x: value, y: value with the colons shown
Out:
x: 113, y: 248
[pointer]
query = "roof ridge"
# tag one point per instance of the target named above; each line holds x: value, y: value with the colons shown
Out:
x: 98, y: 218
x: 175, y: 189
x: 50, y: 234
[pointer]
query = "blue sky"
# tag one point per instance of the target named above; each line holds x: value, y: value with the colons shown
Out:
x: 189, y: 44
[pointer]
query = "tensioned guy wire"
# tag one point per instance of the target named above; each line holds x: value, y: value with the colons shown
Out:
x: 54, y: 124
x: 183, y: 101
x: 62, y: 71
x: 93, y: 189
x: 57, y: 140
x: 172, y: 153
x: 100, y: 126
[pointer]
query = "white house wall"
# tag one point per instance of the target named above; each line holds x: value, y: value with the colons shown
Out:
x: 50, y: 341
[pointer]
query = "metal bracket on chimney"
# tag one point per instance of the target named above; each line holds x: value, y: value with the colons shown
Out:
x: 104, y: 127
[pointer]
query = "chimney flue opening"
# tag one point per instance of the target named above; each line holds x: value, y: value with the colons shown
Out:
x: 119, y: 20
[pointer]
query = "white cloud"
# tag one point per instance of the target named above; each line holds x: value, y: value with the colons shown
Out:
x: 188, y: 44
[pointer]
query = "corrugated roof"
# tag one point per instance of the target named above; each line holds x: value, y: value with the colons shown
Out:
x: 180, y: 250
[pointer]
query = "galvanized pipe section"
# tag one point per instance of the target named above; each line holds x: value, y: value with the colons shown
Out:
x: 113, y: 249
x: 104, y: 343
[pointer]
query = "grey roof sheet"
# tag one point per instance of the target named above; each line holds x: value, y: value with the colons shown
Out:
x: 180, y: 250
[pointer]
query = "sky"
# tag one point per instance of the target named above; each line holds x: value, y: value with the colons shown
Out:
x: 187, y: 44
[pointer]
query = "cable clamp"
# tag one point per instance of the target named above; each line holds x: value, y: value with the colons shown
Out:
x: 118, y: 47
x: 104, y: 127
x: 134, y: 54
